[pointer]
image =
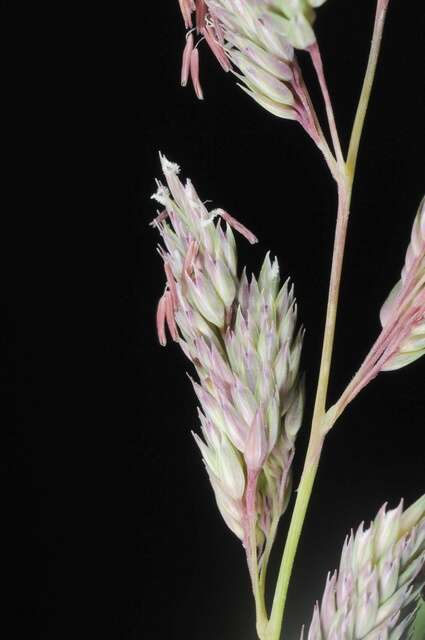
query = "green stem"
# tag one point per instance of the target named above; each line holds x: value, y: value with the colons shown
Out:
x: 252, y: 557
x: 319, y: 427
x: 260, y: 605
x: 381, y: 12
x: 266, y: 554
x: 303, y: 495
x: 322, y: 421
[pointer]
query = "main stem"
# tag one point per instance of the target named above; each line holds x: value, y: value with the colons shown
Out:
x: 318, y: 428
x: 323, y: 421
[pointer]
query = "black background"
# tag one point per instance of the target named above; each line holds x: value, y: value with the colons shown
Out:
x: 111, y: 529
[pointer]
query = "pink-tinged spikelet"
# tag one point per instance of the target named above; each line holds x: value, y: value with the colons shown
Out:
x: 199, y: 257
x: 243, y: 340
x: 257, y: 39
x: 403, y: 314
x: 380, y: 577
x: 402, y: 339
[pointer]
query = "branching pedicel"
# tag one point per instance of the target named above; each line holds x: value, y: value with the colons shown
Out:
x: 241, y: 336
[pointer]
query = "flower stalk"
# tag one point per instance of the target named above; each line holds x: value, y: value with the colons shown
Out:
x: 356, y: 134
x: 402, y: 339
x: 316, y: 58
x: 323, y: 421
x: 318, y: 428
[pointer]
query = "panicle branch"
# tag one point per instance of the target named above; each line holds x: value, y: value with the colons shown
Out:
x: 257, y: 40
x: 402, y: 339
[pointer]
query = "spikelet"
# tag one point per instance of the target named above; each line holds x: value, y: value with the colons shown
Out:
x: 264, y: 349
x: 199, y: 257
x: 291, y: 19
x: 252, y: 400
x: 403, y: 313
x: 243, y: 340
x: 259, y: 39
x: 379, y: 580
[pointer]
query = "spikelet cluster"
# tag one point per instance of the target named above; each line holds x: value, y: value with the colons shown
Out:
x: 200, y: 259
x: 403, y: 314
x: 291, y: 19
x: 257, y: 40
x: 254, y: 397
x: 379, y: 580
x: 243, y: 340
x: 260, y: 38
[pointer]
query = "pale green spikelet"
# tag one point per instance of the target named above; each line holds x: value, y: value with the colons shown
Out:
x: 404, y: 310
x: 242, y: 337
x: 379, y: 580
